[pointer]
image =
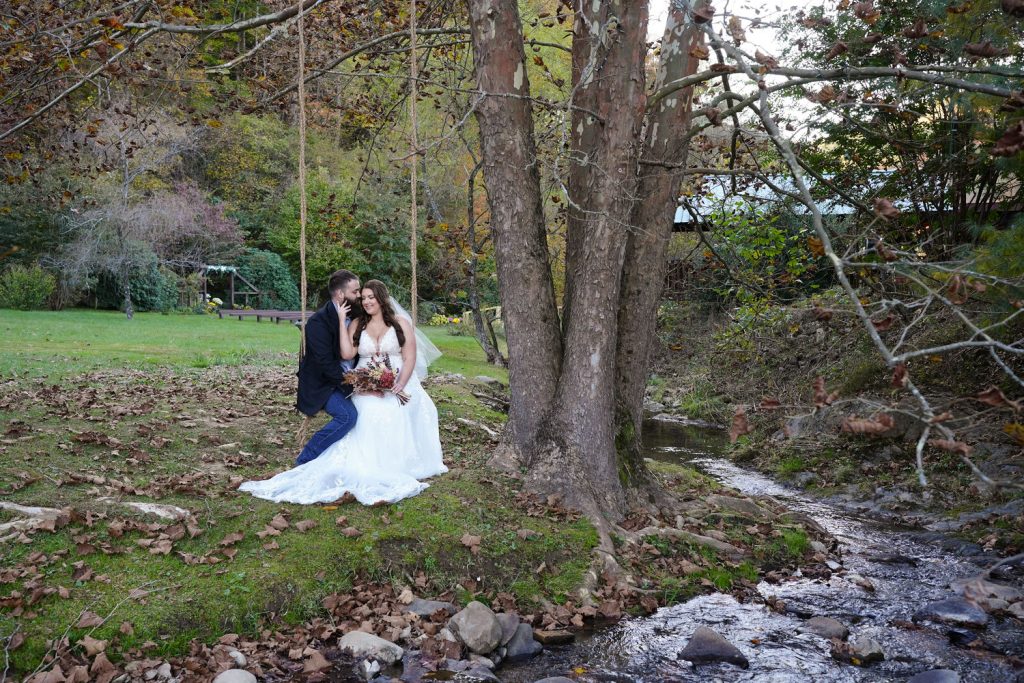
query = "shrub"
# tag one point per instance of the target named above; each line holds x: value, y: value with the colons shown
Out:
x: 268, y: 272
x: 26, y: 287
x: 152, y: 289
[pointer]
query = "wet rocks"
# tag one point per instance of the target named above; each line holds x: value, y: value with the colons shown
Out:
x: 935, y: 676
x: 425, y: 608
x: 826, y: 627
x: 477, y: 627
x: 554, y: 637
x: 365, y: 645
x: 953, y: 611
x: 555, y: 679
x: 743, y: 506
x: 988, y: 595
x: 707, y: 647
x: 860, y: 651
x: 522, y: 645
x: 509, y: 625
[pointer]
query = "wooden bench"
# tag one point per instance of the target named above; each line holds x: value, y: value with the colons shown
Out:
x: 276, y: 316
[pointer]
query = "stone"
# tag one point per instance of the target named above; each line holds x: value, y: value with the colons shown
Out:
x: 482, y: 661
x: 522, y: 645
x: 935, y: 676
x: 509, y: 624
x: 238, y: 658
x: 866, y: 650
x: 235, y: 676
x: 477, y: 627
x: 826, y: 627
x: 360, y: 644
x: 425, y: 608
x: 413, y: 669
x: 163, y: 672
x: 489, y: 380
x: 805, y: 479
x: 954, y: 611
x: 555, y: 679
x: 743, y: 506
x: 988, y: 595
x: 553, y: 637
x: 706, y: 647
x: 478, y: 673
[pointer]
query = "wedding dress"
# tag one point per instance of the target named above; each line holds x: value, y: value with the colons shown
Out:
x: 391, y: 447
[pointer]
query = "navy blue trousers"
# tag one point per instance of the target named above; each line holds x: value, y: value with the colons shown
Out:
x: 343, y: 419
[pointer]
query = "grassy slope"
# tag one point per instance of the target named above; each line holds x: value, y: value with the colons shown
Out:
x: 182, y: 434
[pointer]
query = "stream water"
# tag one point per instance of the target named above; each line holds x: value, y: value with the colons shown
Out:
x: 907, y: 570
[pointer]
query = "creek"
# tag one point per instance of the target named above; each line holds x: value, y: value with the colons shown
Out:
x: 907, y: 568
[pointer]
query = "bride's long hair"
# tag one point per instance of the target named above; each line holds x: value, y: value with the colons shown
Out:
x: 380, y: 291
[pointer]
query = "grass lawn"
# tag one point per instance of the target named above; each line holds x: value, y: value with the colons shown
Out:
x: 97, y: 411
x: 63, y: 343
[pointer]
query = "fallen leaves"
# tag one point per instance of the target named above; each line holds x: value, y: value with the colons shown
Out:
x: 994, y: 396
x: 472, y: 542
x: 740, y: 425
x: 88, y: 620
x: 951, y: 446
x: 92, y: 646
x: 822, y: 397
x: 872, y: 426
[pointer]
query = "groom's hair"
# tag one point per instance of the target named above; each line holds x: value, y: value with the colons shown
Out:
x: 339, y: 279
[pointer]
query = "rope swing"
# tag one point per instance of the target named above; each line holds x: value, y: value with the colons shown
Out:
x: 304, y: 427
x: 302, y: 179
x: 413, y: 159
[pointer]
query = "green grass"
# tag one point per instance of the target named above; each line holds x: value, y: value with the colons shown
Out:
x: 64, y: 343
x: 182, y: 405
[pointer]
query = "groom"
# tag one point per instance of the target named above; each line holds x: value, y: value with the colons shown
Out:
x: 321, y: 371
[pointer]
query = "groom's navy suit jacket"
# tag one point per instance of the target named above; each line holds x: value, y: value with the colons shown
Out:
x: 320, y: 372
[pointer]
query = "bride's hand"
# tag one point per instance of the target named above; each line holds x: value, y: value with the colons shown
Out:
x: 343, y: 308
x: 398, y: 388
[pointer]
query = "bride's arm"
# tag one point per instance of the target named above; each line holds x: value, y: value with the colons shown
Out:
x: 348, y: 349
x: 408, y: 355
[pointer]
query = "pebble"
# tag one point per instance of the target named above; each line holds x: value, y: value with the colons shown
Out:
x: 826, y: 627
x: 955, y: 611
x: 935, y: 676
x: 238, y: 658
x: 234, y: 676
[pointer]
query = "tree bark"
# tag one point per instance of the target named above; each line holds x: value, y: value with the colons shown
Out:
x: 665, y: 140
x: 578, y: 457
x: 505, y: 116
x: 492, y: 351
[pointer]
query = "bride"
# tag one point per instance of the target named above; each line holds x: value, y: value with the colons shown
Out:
x: 392, y: 446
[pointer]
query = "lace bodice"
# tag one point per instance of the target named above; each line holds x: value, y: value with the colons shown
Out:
x: 386, y: 345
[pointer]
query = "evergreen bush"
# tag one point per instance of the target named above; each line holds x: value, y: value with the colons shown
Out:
x: 26, y: 287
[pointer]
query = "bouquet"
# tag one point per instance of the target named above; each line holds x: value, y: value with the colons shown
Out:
x: 376, y: 377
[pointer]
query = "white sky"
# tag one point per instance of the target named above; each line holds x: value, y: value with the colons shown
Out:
x: 763, y: 38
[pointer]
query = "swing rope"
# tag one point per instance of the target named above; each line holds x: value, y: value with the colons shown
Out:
x: 413, y: 159
x: 304, y: 428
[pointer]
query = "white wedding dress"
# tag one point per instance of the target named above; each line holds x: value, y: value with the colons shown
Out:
x: 391, y: 447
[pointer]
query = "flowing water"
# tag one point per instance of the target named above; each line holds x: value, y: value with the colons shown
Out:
x: 906, y: 570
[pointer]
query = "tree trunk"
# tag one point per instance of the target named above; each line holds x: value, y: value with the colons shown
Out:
x: 653, y: 215
x: 566, y: 398
x: 578, y: 456
x: 126, y: 286
x: 505, y: 117
x: 492, y: 351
